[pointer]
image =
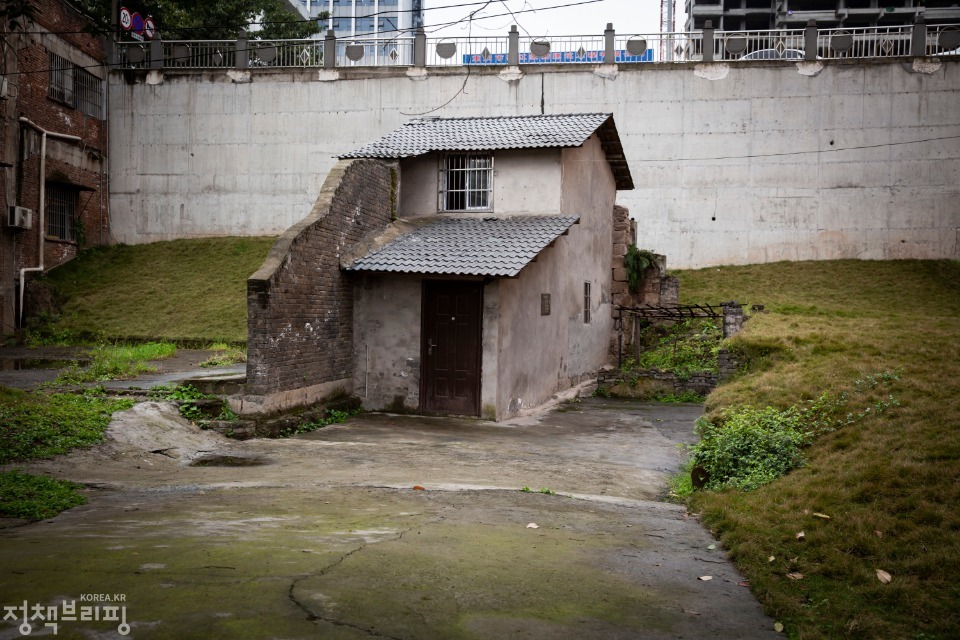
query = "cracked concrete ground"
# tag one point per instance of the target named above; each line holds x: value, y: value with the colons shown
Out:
x: 323, y: 534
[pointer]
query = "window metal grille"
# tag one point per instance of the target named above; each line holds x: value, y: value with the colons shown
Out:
x: 586, y: 303
x: 75, y: 86
x: 467, y: 182
x: 61, y: 211
x: 89, y: 93
x: 61, y: 79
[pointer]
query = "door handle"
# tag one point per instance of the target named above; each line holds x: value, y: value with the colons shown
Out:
x: 430, y: 346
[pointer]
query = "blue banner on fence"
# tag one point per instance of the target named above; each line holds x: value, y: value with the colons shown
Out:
x: 558, y: 57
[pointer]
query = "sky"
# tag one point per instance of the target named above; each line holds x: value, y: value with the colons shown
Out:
x: 549, y: 17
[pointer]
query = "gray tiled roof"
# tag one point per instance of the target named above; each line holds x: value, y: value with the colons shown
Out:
x: 425, y: 135
x: 468, y: 246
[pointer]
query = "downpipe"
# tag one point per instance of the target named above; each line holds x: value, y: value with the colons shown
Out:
x: 41, y: 223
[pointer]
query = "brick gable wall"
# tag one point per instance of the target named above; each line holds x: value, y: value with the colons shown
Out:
x: 300, y: 303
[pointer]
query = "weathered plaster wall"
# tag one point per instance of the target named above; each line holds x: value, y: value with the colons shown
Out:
x: 733, y: 163
x: 387, y: 340
x: 557, y: 350
x: 524, y: 182
x: 300, y: 304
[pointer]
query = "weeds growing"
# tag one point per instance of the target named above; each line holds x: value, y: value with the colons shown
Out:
x: 333, y: 416
x: 116, y: 361
x: 225, y: 356
x: 23, y: 495
x: 37, y: 425
x: 189, y: 400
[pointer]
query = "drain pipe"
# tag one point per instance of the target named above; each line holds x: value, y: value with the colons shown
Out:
x: 41, y: 230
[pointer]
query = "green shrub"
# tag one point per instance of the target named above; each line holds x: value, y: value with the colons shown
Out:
x: 637, y: 261
x: 750, y: 448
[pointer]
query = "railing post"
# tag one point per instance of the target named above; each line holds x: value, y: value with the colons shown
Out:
x: 420, y: 48
x: 329, y: 50
x: 609, y: 40
x: 708, y: 41
x: 242, y: 52
x: 918, y: 40
x: 810, y: 41
x: 156, y: 52
x: 513, y: 47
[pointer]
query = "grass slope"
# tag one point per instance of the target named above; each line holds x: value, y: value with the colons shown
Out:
x: 890, y: 483
x: 178, y: 290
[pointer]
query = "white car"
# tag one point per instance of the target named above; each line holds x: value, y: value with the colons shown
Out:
x: 774, y: 54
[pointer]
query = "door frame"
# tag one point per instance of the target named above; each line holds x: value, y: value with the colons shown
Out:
x: 427, y: 284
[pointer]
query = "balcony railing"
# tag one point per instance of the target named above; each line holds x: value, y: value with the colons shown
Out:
x: 708, y: 45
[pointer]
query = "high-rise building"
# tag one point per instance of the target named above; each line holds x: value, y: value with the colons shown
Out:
x: 758, y: 15
x: 362, y: 19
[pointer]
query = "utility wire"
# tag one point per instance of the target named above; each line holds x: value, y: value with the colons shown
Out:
x: 161, y: 28
x: 797, y: 153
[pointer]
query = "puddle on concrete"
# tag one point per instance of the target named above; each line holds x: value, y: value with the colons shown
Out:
x: 26, y: 364
x: 228, y: 461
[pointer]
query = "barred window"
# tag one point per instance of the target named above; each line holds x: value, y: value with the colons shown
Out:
x: 467, y: 182
x: 75, y: 86
x: 61, y: 210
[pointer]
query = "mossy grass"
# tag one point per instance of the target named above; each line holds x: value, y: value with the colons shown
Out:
x: 23, y: 495
x: 113, y: 361
x: 181, y: 290
x: 41, y: 425
x: 888, y: 480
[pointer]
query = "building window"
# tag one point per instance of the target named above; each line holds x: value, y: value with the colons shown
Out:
x: 364, y: 25
x: 467, y: 182
x: 586, y: 303
x: 61, y: 211
x: 75, y: 86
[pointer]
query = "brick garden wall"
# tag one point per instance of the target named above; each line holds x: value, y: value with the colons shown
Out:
x: 300, y: 304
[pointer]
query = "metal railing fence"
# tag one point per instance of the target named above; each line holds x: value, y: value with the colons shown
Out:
x: 708, y: 45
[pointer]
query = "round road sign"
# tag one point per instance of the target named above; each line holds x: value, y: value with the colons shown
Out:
x: 137, y: 23
x: 125, y: 18
x: 149, y: 28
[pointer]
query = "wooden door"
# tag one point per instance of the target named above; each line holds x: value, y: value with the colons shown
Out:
x: 450, y: 347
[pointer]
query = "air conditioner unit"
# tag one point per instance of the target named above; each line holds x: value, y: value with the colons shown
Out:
x: 19, y: 218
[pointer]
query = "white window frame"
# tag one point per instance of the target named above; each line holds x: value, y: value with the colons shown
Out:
x: 466, y: 181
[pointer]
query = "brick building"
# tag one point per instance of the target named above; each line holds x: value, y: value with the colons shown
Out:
x: 53, y: 109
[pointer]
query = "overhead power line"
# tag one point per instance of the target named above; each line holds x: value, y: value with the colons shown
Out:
x: 302, y: 21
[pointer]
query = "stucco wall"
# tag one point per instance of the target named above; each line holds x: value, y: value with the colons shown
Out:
x: 524, y: 182
x: 733, y: 163
x: 387, y: 339
x: 561, y: 345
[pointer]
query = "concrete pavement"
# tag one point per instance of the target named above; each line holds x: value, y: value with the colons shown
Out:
x: 329, y: 535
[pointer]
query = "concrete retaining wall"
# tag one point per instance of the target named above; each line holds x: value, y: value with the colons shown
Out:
x: 733, y: 163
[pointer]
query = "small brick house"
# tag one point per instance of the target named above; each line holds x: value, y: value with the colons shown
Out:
x: 52, y: 80
x: 455, y: 266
